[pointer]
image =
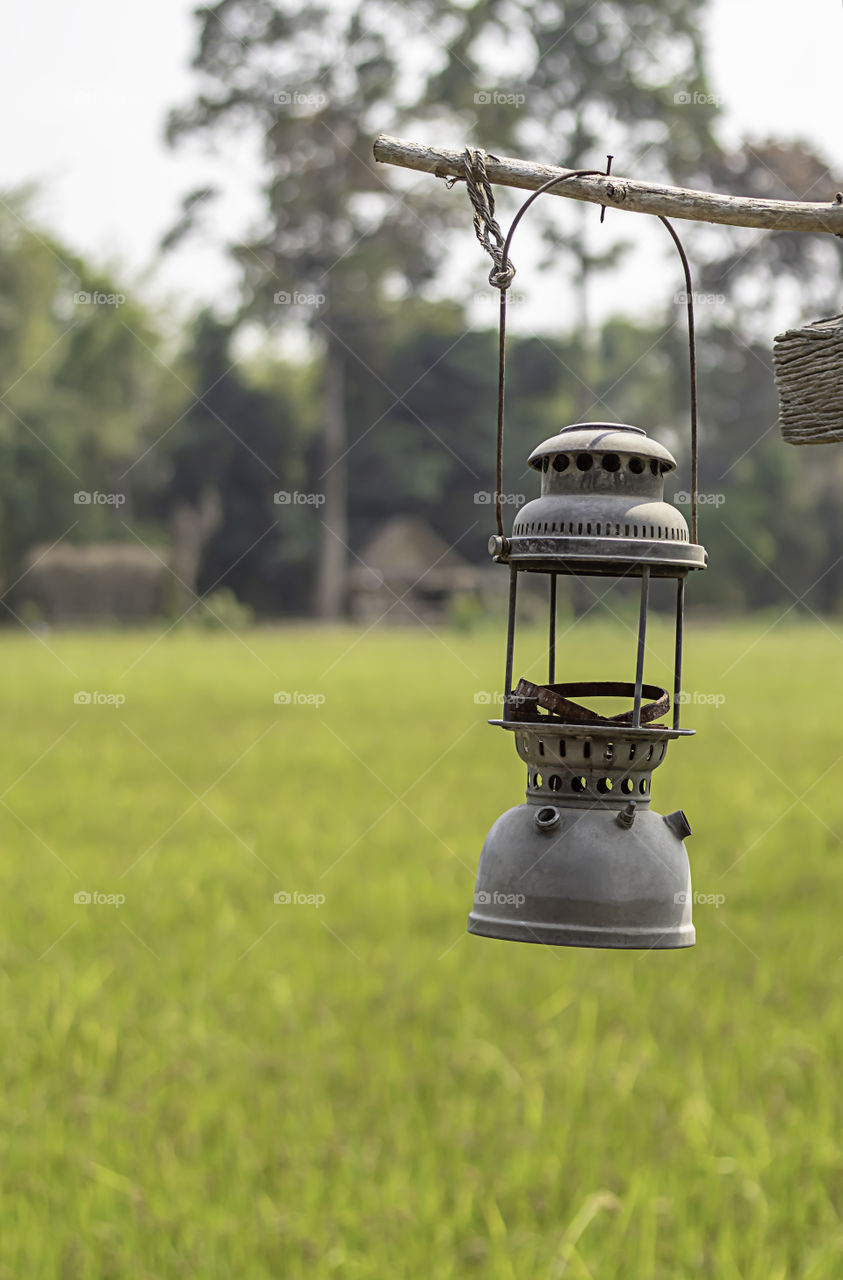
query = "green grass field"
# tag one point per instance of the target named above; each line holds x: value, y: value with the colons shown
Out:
x: 201, y: 1083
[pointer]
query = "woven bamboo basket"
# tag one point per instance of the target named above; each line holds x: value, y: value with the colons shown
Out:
x: 808, y: 365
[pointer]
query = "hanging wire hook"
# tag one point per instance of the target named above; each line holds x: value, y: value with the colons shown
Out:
x: 497, y: 246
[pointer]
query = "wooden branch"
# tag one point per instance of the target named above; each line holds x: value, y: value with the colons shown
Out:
x: 623, y: 193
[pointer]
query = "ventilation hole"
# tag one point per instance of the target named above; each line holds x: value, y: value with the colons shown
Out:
x: 584, y: 461
x: 578, y: 784
x: 626, y: 531
x: 545, y: 463
x: 562, y: 748
x: 636, y: 466
x: 541, y: 747
x: 649, y: 754
x: 635, y: 531
x: 586, y: 749
x: 599, y: 527
x: 617, y: 531
x: 660, y: 531
x: 632, y: 751
x: 588, y: 527
x: 654, y: 467
x: 627, y: 786
x: 642, y: 786
x: 555, y: 782
x: 579, y: 528
x: 609, y: 753
x: 560, y: 462
x: 611, y: 462
x: 604, y: 785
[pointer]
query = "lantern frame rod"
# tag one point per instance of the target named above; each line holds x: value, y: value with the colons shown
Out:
x: 510, y: 633
x: 677, y: 660
x: 642, y: 645
x: 622, y: 193
x: 551, y: 639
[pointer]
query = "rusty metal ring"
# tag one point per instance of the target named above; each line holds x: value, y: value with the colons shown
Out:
x: 556, y: 699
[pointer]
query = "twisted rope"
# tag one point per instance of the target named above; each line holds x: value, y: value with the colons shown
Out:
x: 486, y: 226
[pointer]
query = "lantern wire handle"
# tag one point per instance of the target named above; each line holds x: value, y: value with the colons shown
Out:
x: 502, y: 275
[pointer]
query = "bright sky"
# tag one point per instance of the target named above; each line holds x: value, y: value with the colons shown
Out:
x: 85, y: 89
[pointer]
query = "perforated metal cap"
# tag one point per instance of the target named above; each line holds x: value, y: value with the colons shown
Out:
x: 602, y: 507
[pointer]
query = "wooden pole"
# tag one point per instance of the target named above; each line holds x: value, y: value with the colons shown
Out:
x: 623, y: 193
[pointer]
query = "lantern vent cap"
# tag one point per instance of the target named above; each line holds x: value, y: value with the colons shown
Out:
x: 602, y: 438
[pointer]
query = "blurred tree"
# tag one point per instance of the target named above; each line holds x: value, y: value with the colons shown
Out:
x: 318, y: 81
x: 751, y: 269
x: 235, y: 451
x: 79, y: 384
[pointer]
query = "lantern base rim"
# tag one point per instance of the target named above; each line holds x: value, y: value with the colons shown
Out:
x: 503, y: 930
x: 599, y: 556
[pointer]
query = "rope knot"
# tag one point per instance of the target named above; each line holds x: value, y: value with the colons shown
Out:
x: 486, y: 225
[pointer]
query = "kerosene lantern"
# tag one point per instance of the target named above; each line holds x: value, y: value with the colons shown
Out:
x: 586, y: 861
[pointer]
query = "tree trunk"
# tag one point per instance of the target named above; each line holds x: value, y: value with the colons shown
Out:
x: 331, y: 568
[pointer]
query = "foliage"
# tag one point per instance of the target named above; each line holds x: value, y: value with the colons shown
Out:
x: 80, y: 385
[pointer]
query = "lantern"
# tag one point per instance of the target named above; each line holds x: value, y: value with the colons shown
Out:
x: 586, y: 861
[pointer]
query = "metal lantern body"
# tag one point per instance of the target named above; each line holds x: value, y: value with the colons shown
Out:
x: 586, y: 861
